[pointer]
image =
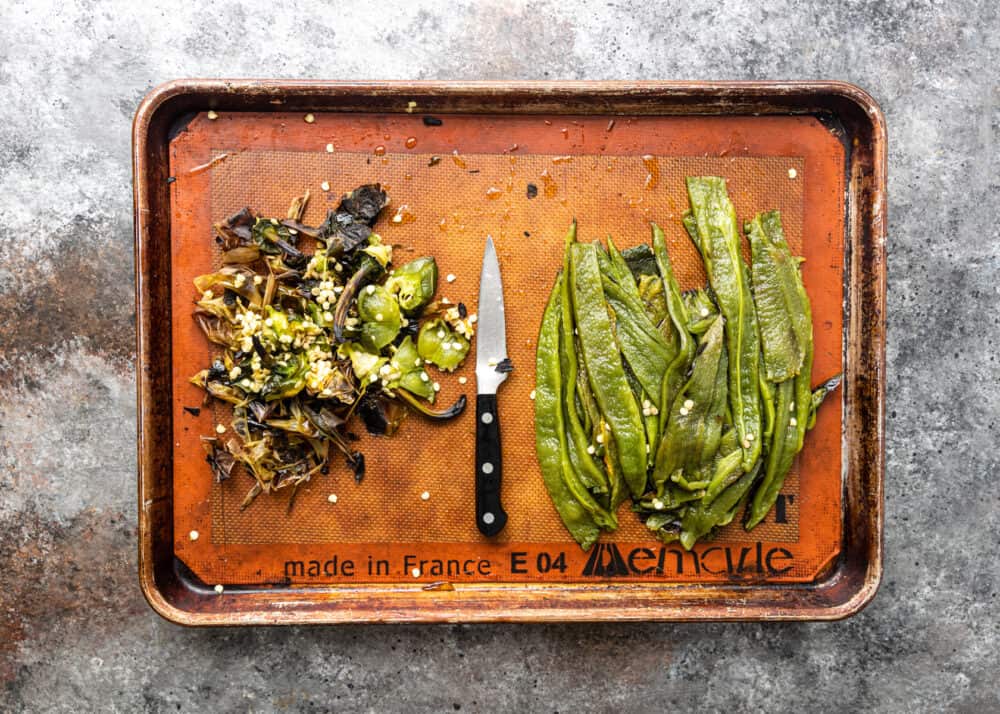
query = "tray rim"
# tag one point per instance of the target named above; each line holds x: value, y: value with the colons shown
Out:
x: 852, y: 582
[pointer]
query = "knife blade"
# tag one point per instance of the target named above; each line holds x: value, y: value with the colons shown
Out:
x: 492, y: 367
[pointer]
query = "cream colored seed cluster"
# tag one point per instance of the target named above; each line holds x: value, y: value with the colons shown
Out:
x: 461, y: 325
x: 326, y: 294
x: 648, y: 409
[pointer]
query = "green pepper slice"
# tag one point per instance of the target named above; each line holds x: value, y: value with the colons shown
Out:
x: 380, y: 317
x: 604, y: 365
x: 785, y: 329
x: 550, y: 432
x: 439, y: 344
x: 718, y: 239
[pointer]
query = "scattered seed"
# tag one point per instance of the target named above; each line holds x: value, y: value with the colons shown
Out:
x: 451, y: 278
x: 792, y: 173
x: 689, y: 404
x: 219, y: 589
x: 415, y: 572
x: 309, y: 118
x: 220, y: 429
x: 462, y: 380
x: 684, y: 411
x: 325, y: 185
x: 793, y: 422
x: 332, y: 498
x: 329, y: 148
x: 532, y: 395
x: 193, y: 535
x: 437, y: 387
x: 212, y: 115
x: 425, y: 496
x: 591, y: 450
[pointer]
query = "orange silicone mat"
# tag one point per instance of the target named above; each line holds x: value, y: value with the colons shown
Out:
x: 614, y: 180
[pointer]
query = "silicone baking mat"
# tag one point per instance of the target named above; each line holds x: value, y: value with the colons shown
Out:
x: 470, y: 177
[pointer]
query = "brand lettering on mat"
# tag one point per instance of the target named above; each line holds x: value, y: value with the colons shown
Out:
x: 607, y: 560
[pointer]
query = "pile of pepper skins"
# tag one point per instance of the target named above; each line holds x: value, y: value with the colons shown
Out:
x: 692, y: 404
x: 306, y: 340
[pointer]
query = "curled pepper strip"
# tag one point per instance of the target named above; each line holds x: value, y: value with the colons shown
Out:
x: 719, y: 242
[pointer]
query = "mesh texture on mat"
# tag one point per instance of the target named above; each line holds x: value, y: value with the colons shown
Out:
x: 455, y: 204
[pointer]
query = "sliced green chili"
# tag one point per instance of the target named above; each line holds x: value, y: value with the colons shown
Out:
x: 604, y: 365
x: 779, y: 457
x: 581, y: 448
x: 550, y: 434
x: 694, y: 421
x: 785, y: 328
x: 719, y: 242
x: 673, y: 377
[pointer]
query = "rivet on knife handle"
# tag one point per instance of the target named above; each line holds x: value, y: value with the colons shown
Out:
x: 490, y: 515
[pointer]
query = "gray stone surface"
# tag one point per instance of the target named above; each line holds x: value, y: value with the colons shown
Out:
x: 75, y: 633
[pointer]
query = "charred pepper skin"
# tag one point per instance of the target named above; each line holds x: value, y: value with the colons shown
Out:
x: 719, y: 242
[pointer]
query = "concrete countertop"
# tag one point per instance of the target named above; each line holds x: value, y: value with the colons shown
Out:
x: 75, y: 632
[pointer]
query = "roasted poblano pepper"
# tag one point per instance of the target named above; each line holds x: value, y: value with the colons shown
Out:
x: 581, y: 448
x: 673, y: 377
x: 695, y: 419
x: 604, y: 365
x: 782, y: 309
x: 550, y: 432
x: 718, y: 239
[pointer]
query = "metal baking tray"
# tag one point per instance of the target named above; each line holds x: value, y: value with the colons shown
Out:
x: 587, y: 144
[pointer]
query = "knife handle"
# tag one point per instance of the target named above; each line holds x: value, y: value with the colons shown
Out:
x: 490, y: 516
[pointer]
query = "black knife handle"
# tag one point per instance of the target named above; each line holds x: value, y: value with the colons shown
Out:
x: 490, y: 516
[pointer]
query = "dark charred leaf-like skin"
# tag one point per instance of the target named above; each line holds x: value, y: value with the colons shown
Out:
x: 364, y: 203
x: 640, y: 260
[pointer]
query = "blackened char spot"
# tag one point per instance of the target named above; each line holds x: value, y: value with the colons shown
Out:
x: 532, y: 190
x: 432, y: 121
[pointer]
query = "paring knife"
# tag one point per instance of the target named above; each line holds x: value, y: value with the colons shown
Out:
x: 492, y: 367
